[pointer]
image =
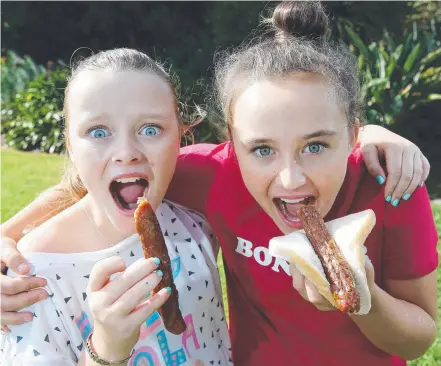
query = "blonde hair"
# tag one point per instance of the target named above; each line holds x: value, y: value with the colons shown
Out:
x: 71, y: 185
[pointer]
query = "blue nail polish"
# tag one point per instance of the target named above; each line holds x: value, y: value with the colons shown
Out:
x: 406, y: 196
x: 156, y: 261
x: 159, y: 273
x: 168, y: 289
x: 388, y: 198
x: 395, y: 202
x: 380, y: 179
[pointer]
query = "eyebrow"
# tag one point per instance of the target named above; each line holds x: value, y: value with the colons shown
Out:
x: 319, y: 133
x: 143, y: 116
x: 154, y: 116
x: 96, y: 118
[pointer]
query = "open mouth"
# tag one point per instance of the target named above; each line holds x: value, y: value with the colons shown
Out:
x: 126, y: 191
x: 288, y: 207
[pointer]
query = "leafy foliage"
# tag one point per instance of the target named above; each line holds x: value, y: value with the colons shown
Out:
x: 16, y: 73
x: 398, y: 77
x: 185, y: 35
x: 33, y: 119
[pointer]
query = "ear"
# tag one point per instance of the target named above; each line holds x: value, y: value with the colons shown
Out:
x: 71, y: 156
x: 183, y: 129
x: 69, y: 153
x: 354, y: 130
x: 229, y: 132
x: 67, y: 146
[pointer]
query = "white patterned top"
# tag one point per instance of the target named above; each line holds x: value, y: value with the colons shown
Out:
x: 61, y: 324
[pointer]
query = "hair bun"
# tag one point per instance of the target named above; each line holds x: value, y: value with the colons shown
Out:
x: 300, y: 19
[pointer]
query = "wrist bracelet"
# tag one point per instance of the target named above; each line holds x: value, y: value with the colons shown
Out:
x: 98, y: 359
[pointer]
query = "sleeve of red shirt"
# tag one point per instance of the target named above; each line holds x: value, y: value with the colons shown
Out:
x: 195, y: 170
x: 410, y: 238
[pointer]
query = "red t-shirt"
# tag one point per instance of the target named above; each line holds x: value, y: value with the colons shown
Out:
x: 270, y: 324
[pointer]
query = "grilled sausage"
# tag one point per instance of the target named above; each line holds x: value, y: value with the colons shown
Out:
x: 335, y: 266
x: 153, y: 245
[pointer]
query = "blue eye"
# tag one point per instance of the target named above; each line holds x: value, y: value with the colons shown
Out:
x: 150, y: 131
x: 263, y: 152
x: 314, y: 148
x: 98, y: 132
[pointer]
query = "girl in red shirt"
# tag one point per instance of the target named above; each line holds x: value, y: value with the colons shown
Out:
x: 293, y: 111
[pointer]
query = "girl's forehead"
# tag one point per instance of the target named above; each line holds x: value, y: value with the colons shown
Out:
x: 113, y: 92
x: 287, y: 109
x: 278, y: 96
x: 111, y: 80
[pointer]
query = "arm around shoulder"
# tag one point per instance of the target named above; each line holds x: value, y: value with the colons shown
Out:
x: 402, y: 320
x: 44, y: 341
x: 46, y: 205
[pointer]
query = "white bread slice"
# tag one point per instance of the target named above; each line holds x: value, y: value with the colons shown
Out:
x: 350, y: 233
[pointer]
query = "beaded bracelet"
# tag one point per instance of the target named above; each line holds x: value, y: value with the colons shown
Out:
x: 98, y: 359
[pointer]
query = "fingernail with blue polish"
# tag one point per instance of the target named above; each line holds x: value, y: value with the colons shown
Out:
x: 159, y: 273
x: 168, y: 289
x: 156, y: 260
x: 380, y: 179
x: 406, y: 196
x: 388, y: 198
x: 395, y: 202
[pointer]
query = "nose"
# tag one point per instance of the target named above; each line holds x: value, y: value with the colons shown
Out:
x: 126, y: 152
x: 291, y: 176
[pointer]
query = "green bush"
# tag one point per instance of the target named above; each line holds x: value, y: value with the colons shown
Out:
x: 397, y: 78
x: 16, y: 73
x: 33, y: 119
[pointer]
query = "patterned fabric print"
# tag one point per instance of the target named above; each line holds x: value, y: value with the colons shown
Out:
x: 62, y: 323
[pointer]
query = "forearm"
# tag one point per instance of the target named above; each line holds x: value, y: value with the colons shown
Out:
x: 367, y: 130
x: 396, y: 326
x: 45, y: 206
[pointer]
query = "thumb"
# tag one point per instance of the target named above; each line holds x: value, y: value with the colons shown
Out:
x: 370, y: 271
x: 103, y: 270
x: 11, y: 257
x: 370, y: 156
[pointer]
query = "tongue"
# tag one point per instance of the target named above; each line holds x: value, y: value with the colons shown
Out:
x: 291, y: 209
x: 130, y: 191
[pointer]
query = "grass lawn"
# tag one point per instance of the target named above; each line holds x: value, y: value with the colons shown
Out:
x: 24, y: 175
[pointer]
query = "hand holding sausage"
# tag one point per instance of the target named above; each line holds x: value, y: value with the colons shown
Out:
x: 121, y: 305
x: 310, y: 293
